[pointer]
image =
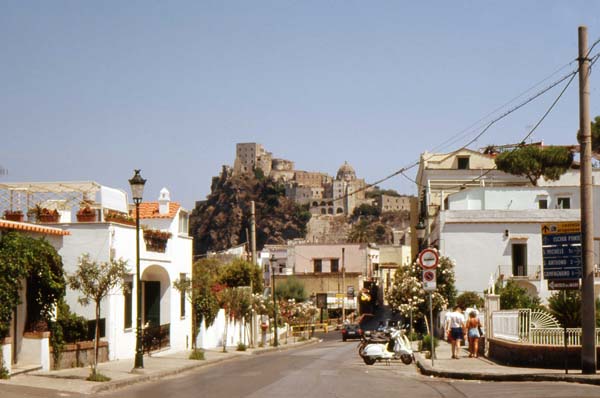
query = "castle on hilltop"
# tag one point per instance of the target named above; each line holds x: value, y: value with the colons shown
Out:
x: 324, y: 194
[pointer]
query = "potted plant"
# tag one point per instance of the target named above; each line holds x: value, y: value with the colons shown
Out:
x: 86, y: 214
x: 118, y: 217
x: 14, y: 215
x: 156, y: 240
x: 47, y: 215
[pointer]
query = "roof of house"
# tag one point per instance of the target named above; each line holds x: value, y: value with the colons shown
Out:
x: 150, y: 210
x: 23, y: 226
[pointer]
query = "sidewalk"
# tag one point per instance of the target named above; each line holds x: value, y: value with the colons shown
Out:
x: 157, y: 366
x: 485, y: 369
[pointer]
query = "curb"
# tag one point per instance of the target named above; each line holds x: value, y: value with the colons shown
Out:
x: 427, y: 370
x: 114, y: 385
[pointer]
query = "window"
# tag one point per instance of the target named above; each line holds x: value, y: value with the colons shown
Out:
x: 184, y: 223
x: 182, y: 297
x: 463, y: 162
x: 335, y: 265
x: 128, y: 296
x: 318, y: 265
x: 543, y: 203
x: 564, y: 203
x: 519, y: 259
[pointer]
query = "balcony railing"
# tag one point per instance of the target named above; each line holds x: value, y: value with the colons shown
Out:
x: 157, y: 337
x: 523, y: 272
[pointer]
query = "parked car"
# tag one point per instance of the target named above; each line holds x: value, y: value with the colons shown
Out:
x: 351, y: 331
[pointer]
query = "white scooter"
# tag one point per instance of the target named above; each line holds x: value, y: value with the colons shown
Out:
x: 398, y: 347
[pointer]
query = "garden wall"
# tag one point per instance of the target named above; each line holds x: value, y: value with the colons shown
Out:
x: 80, y: 354
x: 538, y: 356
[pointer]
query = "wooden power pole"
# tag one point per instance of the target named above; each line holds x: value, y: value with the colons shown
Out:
x: 588, y: 335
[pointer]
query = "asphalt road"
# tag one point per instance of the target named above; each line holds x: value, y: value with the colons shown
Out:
x: 333, y: 369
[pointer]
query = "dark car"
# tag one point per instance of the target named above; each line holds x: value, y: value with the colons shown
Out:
x: 351, y: 331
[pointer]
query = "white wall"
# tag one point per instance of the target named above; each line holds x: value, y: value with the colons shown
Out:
x: 97, y: 239
x: 479, y: 250
x: 511, y: 198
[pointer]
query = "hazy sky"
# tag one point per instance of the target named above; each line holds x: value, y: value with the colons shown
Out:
x: 90, y: 90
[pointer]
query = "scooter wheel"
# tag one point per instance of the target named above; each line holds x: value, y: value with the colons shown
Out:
x: 406, y: 359
x: 369, y: 360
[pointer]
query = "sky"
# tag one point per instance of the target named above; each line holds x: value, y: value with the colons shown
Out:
x: 93, y: 90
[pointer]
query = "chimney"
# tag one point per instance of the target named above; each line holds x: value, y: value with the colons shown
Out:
x: 163, y: 201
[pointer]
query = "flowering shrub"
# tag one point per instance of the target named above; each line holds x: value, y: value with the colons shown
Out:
x: 406, y: 293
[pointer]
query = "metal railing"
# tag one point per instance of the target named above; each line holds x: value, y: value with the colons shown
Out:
x: 156, y: 337
x: 526, y: 272
x: 309, y: 327
x: 516, y: 326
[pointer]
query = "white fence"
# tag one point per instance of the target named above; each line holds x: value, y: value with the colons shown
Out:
x: 517, y: 326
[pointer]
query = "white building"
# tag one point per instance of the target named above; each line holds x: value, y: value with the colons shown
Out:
x: 165, y: 256
x: 497, y: 232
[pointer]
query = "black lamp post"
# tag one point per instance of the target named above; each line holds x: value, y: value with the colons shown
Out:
x: 137, y: 190
x: 420, y: 233
x: 276, y: 340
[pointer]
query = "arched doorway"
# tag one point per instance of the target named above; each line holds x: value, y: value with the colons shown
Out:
x: 156, y: 308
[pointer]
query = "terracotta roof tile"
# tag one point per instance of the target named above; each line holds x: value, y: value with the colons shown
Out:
x: 23, y: 226
x: 150, y: 210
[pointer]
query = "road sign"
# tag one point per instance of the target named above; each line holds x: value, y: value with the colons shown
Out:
x: 429, y: 280
x: 561, y: 239
x: 567, y: 284
x: 561, y: 228
x: 322, y: 300
x: 561, y: 250
x: 350, y: 292
x: 428, y: 259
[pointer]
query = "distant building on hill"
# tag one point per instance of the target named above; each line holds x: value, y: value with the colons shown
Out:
x: 324, y: 194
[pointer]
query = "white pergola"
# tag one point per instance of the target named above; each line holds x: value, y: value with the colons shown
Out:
x: 52, y: 195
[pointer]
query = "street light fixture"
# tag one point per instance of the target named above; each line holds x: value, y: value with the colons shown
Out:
x: 137, y: 190
x: 272, y: 260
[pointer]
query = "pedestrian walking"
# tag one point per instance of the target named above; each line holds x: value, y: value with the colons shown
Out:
x: 455, y: 325
x: 473, y: 328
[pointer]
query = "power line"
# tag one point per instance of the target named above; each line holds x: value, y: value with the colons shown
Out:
x: 467, y: 130
x: 530, y: 99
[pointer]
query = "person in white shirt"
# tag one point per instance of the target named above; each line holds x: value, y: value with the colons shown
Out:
x: 455, y: 325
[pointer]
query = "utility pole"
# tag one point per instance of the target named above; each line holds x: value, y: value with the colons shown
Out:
x: 588, y: 309
x: 253, y: 232
x: 253, y: 250
x: 344, y: 284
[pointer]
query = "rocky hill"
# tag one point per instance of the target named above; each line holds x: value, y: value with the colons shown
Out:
x: 223, y: 219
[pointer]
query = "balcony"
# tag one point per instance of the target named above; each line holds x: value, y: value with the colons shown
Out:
x: 531, y: 273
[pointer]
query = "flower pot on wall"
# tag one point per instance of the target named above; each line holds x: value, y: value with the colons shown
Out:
x: 46, y: 215
x: 86, y: 217
x: 156, y: 241
x: 14, y: 216
x: 86, y: 214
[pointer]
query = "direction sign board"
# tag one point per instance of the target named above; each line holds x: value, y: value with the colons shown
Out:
x: 428, y: 259
x: 561, y: 250
x: 567, y: 284
x: 429, y: 280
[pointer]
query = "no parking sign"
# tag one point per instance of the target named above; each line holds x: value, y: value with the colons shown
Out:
x: 429, y: 280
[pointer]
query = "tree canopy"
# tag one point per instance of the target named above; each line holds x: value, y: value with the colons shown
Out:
x: 534, y: 161
x: 95, y: 280
x: 35, y: 260
x: 512, y: 296
x: 289, y: 289
x: 406, y: 293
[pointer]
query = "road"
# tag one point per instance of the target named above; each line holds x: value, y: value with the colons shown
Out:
x: 333, y: 369
x: 328, y: 369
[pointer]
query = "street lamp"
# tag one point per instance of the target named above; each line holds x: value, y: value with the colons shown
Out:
x: 137, y: 190
x: 420, y: 233
x: 272, y: 260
